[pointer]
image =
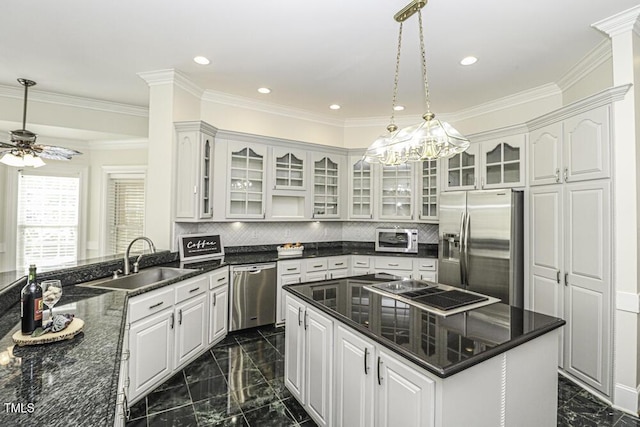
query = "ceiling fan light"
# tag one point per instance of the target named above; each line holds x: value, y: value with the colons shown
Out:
x: 11, y: 159
x: 33, y: 160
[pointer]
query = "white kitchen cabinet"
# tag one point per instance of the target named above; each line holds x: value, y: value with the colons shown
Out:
x: 570, y: 272
x: 503, y: 162
x: 462, y: 171
x: 192, y: 319
x: 429, y: 184
x: 194, y: 171
x: 395, y: 192
x: 425, y: 269
x: 316, y: 269
x: 337, y: 267
x: 289, y: 169
x: 360, y: 188
x: 309, y: 359
x: 575, y: 149
x: 289, y: 273
x: 218, y: 305
x: 396, y: 266
x: 327, y: 178
x: 246, y: 164
x: 361, y: 264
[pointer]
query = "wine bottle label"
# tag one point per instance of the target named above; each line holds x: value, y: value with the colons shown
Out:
x: 37, y: 309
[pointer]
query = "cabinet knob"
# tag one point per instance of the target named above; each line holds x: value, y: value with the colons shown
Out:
x: 558, y: 175
x: 566, y: 174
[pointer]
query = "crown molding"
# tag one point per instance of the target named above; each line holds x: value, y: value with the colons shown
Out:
x: 74, y: 101
x: 125, y: 144
x: 171, y: 76
x: 197, y: 126
x: 592, y: 60
x: 604, y: 97
x: 250, y: 138
x: 504, y: 132
x: 620, y: 23
x: 265, y: 107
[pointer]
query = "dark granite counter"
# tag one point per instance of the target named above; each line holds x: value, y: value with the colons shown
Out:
x: 441, y: 345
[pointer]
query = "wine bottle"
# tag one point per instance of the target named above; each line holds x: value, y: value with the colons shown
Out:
x: 31, y: 303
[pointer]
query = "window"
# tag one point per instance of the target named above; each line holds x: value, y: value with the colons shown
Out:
x: 47, y: 219
x: 125, y: 210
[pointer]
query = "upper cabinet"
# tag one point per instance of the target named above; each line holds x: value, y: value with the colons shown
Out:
x: 396, y: 192
x: 194, y: 171
x: 246, y: 180
x: 575, y: 149
x: 503, y: 162
x: 461, y: 171
x: 429, y: 188
x: 327, y: 170
x: 289, y: 169
x: 360, y: 188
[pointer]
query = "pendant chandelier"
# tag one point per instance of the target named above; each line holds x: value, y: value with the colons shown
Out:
x: 429, y: 139
x: 23, y: 151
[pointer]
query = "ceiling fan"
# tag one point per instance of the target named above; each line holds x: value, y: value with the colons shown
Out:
x: 23, y: 149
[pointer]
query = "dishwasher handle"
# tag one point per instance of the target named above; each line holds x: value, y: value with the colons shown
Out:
x: 253, y: 269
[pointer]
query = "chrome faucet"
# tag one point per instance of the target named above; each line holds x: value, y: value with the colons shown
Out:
x: 127, y: 269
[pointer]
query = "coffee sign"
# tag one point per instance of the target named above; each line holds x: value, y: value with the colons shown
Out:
x: 200, y: 246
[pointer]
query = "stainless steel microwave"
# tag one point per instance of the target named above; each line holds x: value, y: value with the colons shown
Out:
x: 397, y: 240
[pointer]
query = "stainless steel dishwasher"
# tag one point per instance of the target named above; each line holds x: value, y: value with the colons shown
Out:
x: 253, y: 296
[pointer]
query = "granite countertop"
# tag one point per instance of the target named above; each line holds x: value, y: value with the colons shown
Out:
x: 441, y: 345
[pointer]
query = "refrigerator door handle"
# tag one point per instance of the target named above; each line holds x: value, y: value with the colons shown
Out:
x: 461, y: 262
x: 466, y: 247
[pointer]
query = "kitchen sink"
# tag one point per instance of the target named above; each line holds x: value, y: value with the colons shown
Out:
x: 147, y: 277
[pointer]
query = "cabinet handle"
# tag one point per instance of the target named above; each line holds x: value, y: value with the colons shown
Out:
x: 180, y: 317
x: 220, y: 279
x: 393, y: 265
x: 361, y: 263
x: 305, y: 319
x: 195, y: 189
x: 379, y: 378
x: 292, y: 269
x: 474, y: 182
x: 194, y: 289
x: 317, y: 266
x: 151, y: 307
x: 558, y: 276
x: 366, y: 353
x: 214, y: 299
x: 125, y: 408
x: 173, y: 320
x: 482, y: 182
x: 339, y: 263
x: 566, y: 279
x: 566, y: 174
x: 299, y: 320
x: 558, y: 175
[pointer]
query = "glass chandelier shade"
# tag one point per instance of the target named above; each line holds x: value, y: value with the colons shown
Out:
x: 21, y: 158
x: 427, y: 140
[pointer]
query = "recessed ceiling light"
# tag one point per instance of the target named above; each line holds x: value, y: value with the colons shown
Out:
x: 264, y: 90
x: 201, y: 60
x: 398, y: 107
x: 469, y: 60
x: 334, y: 106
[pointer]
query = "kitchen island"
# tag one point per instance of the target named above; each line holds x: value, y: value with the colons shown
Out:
x: 356, y: 357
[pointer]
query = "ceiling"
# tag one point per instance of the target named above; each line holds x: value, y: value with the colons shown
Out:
x: 311, y: 53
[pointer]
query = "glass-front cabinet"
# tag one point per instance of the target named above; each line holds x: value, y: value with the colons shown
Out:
x: 360, y: 191
x: 289, y: 169
x: 503, y: 162
x: 461, y: 170
x: 326, y: 186
x: 246, y: 177
x: 429, y: 187
x: 396, y: 192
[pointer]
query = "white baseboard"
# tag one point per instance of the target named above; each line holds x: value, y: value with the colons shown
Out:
x: 626, y: 399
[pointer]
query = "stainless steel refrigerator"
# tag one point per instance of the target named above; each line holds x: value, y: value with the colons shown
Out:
x: 481, y: 243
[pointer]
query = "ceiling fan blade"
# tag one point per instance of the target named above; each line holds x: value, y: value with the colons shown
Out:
x: 55, y: 153
x: 7, y: 145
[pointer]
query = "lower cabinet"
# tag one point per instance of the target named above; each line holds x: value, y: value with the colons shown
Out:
x: 218, y: 305
x: 309, y: 359
x: 375, y: 387
x: 192, y: 319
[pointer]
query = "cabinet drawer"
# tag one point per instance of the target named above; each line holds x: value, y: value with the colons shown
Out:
x: 289, y: 267
x: 394, y: 263
x: 218, y: 278
x: 360, y: 261
x: 338, y: 262
x: 317, y: 264
x: 150, y: 303
x: 428, y: 264
x: 191, y: 288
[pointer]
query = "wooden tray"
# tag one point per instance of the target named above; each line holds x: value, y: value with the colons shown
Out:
x: 73, y: 329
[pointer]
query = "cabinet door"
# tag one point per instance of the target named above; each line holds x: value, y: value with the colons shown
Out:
x: 191, y: 328
x: 187, y: 171
x: 396, y: 192
x: 318, y: 366
x: 360, y: 189
x: 354, y: 379
x: 337, y: 273
x: 205, y: 199
x: 588, y: 280
x: 289, y: 169
x: 546, y: 289
x: 315, y: 276
x: 587, y: 146
x: 429, y: 188
x: 245, y: 182
x: 461, y: 171
x: 545, y: 155
x: 405, y: 396
x: 326, y: 186
x: 294, y: 348
x: 503, y: 162
x: 286, y: 279
x: 151, y: 352
x: 218, y: 313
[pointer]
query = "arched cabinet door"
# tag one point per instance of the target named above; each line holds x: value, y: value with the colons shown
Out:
x: 503, y: 162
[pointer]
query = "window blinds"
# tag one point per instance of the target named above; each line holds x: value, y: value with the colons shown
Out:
x: 47, y: 224
x: 125, y: 210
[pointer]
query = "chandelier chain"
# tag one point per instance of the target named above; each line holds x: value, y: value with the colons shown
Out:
x: 424, y: 64
x: 395, y: 79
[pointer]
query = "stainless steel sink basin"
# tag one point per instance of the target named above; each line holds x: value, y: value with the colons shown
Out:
x: 146, y: 277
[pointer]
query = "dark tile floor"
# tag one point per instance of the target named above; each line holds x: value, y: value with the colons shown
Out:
x: 240, y: 382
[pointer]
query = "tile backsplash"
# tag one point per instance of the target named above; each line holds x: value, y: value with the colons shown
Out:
x: 270, y: 233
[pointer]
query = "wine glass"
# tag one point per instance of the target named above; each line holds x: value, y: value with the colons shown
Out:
x: 51, y: 293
